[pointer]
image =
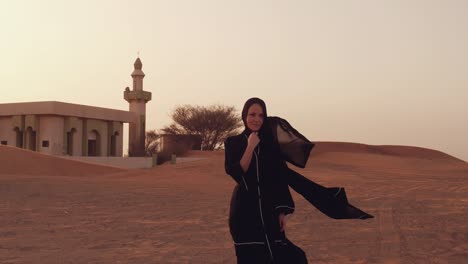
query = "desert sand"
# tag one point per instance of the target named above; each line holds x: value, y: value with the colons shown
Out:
x: 54, y: 210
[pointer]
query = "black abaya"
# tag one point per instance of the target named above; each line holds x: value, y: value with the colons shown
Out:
x: 261, y: 194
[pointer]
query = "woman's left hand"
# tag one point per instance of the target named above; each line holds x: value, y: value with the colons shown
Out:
x: 282, y: 222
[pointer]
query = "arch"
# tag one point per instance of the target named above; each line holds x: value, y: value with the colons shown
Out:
x: 19, y: 137
x: 30, y: 139
x: 94, y: 143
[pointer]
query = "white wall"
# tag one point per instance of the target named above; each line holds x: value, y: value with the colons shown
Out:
x: 51, y: 129
x: 6, y: 131
x: 127, y: 162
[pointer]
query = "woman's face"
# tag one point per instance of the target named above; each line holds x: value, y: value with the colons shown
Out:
x: 255, y: 117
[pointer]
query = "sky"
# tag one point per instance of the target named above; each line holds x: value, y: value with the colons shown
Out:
x: 379, y: 72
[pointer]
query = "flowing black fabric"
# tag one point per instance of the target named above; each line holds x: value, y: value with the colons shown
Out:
x: 331, y: 201
x: 295, y: 148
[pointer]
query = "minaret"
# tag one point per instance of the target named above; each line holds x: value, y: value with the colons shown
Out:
x: 137, y: 99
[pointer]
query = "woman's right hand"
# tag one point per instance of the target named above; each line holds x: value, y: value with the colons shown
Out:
x: 253, y: 140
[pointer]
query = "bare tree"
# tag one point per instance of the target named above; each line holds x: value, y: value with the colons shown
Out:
x: 213, y: 123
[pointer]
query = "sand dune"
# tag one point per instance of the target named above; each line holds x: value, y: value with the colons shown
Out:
x: 16, y: 161
x: 388, y: 150
x: 178, y: 213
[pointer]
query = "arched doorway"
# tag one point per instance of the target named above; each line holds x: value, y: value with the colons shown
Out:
x: 70, y: 136
x: 93, y: 143
x: 19, y: 137
x: 113, y: 144
x: 30, y: 139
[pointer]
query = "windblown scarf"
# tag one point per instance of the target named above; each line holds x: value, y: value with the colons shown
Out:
x: 295, y: 148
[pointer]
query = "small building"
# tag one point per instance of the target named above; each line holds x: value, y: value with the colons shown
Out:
x: 178, y: 144
x: 59, y: 128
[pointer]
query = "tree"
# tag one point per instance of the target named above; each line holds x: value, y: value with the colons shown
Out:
x: 213, y: 123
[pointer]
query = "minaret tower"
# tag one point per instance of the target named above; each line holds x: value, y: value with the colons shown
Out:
x: 137, y: 99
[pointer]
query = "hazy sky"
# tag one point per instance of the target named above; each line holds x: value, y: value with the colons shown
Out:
x: 391, y: 72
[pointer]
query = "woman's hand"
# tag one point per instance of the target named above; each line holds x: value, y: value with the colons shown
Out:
x: 253, y: 140
x: 282, y: 222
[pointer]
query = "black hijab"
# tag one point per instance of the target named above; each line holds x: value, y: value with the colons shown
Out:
x: 254, y: 100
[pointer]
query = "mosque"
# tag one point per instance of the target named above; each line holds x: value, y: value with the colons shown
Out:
x: 59, y: 128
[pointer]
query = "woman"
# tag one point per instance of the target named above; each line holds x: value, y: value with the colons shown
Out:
x: 261, y: 198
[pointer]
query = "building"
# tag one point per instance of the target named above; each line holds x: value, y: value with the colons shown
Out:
x: 178, y: 144
x: 59, y: 128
